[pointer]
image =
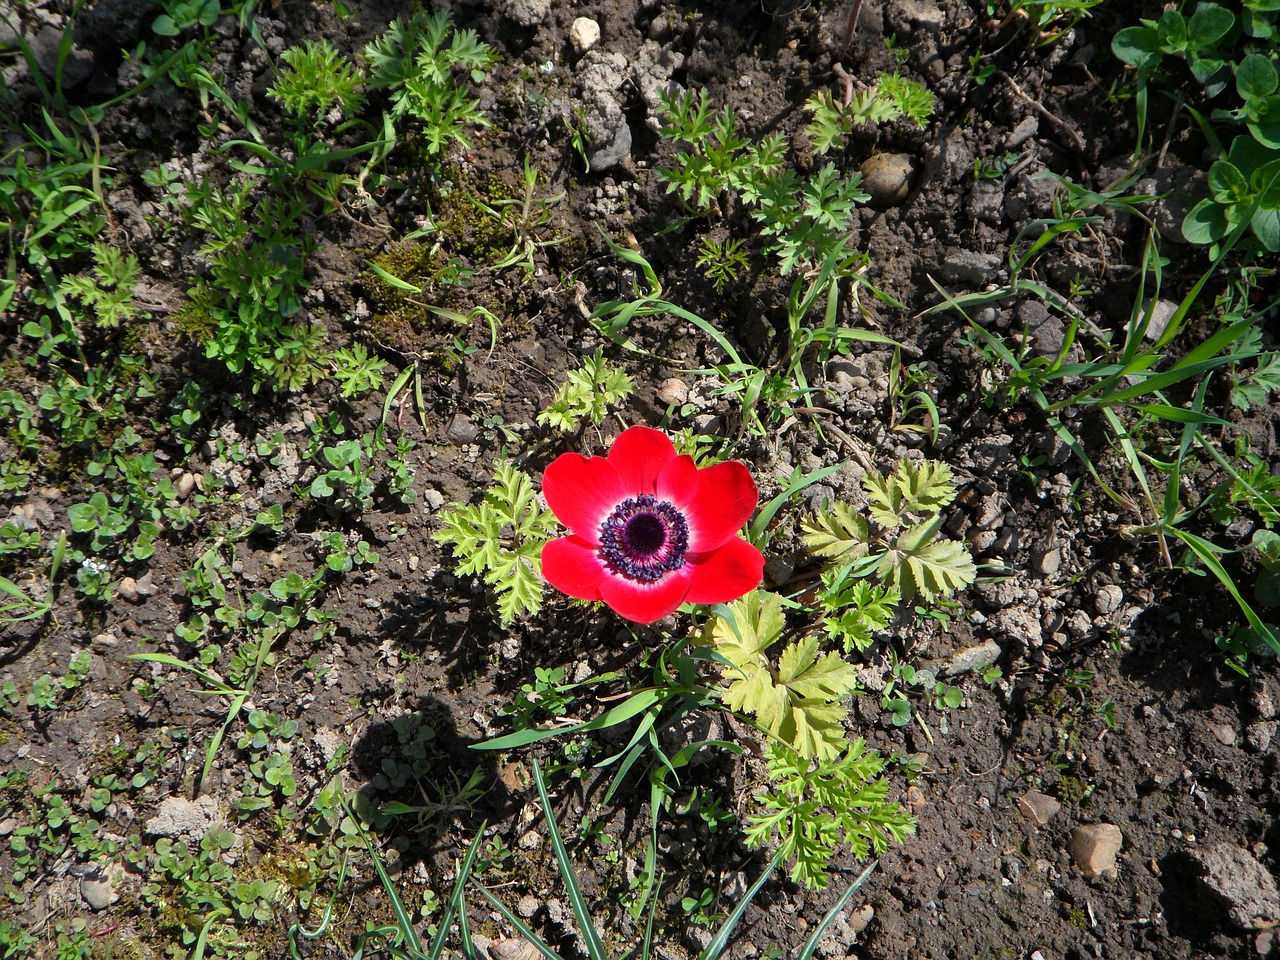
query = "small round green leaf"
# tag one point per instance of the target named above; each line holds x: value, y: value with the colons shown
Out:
x: 1227, y: 182
x: 1137, y: 46
x: 1256, y: 77
x: 1266, y: 227
x: 1206, y: 223
x: 1209, y: 24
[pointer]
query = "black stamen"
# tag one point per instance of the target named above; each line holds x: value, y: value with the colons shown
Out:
x: 644, y: 538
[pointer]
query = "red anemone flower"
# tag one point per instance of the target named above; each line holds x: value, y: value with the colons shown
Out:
x: 648, y: 529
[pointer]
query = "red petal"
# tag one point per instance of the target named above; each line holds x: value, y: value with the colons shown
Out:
x: 639, y: 454
x: 572, y: 566
x: 645, y: 602
x: 581, y: 492
x: 725, y: 574
x: 724, y: 501
x: 678, y: 481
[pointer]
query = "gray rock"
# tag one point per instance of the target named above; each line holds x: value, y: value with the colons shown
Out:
x: 778, y: 568
x: 180, y: 817
x: 46, y: 47
x: 602, y: 77
x: 1027, y: 128
x: 461, y: 430
x: 1162, y: 312
x: 986, y: 201
x: 1233, y: 878
x: 1094, y: 847
x: 1047, y: 560
x: 924, y: 15
x: 1028, y: 197
x: 1108, y: 599
x: 613, y: 153
x: 990, y: 452
x: 1258, y: 736
x: 528, y: 13
x: 98, y: 893
x: 888, y: 178
x: 970, y: 267
x: 973, y: 658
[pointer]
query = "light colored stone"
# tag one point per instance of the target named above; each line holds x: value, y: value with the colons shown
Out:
x: 584, y: 34
x: 514, y: 948
x: 1094, y: 847
x: 1235, y: 879
x: 1162, y: 312
x: 888, y: 178
x: 528, y: 905
x: 180, y: 817
x: 973, y: 658
x: 1108, y: 599
x: 1039, y: 808
x: 183, y: 486
x: 98, y: 893
x: 673, y: 390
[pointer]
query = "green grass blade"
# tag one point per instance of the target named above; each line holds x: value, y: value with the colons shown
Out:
x: 590, y: 936
x: 713, y: 949
x: 1206, y: 553
x: 811, y: 944
x: 456, y: 903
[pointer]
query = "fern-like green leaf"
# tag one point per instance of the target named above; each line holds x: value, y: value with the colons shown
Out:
x: 801, y: 701
x: 838, y: 533
x: 919, y: 488
x: 920, y: 562
x: 754, y: 623
x: 501, y: 540
x: 811, y: 809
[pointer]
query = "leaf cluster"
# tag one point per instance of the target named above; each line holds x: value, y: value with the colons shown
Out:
x: 424, y: 64
x: 587, y: 392
x: 898, y: 541
x: 892, y: 97
x: 108, y: 289
x: 317, y: 78
x: 720, y: 158
x: 807, y: 221
x: 800, y: 700
x: 501, y: 540
x: 812, y: 809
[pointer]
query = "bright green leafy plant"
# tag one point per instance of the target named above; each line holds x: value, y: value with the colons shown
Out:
x: 899, y: 545
x: 501, y: 539
x: 587, y: 393
x: 810, y: 810
x: 801, y: 699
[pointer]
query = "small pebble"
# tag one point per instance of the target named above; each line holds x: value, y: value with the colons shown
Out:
x: 1094, y: 847
x: 1108, y: 599
x: 673, y: 390
x: 584, y: 34
x: 888, y: 177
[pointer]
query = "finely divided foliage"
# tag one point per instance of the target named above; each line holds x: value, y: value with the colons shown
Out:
x: 500, y: 539
x: 900, y: 545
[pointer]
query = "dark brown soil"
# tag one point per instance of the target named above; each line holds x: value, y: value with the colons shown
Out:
x: 1112, y: 696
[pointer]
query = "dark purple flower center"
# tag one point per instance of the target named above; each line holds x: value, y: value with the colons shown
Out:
x: 644, y: 538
